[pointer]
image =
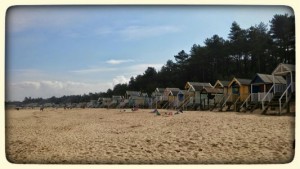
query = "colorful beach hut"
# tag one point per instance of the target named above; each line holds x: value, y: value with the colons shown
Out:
x: 170, y: 94
x: 104, y: 102
x: 181, y: 97
x: 116, y: 100
x: 195, y: 97
x: 260, y: 85
x: 211, y: 94
x: 157, y: 97
x: 129, y: 93
x: 135, y: 98
x: 220, y: 98
x: 283, y: 95
x: 238, y: 91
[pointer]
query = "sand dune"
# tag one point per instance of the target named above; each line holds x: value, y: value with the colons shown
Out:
x: 113, y: 136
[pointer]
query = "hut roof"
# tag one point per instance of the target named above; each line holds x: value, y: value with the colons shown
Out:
x: 133, y: 93
x: 106, y: 99
x: 222, y: 83
x: 137, y: 98
x: 173, y: 91
x: 183, y: 92
x: 197, y: 86
x: 267, y: 79
x: 144, y: 94
x: 211, y: 90
x: 244, y: 81
x: 117, y: 97
x: 159, y: 90
x: 282, y: 69
x: 240, y: 81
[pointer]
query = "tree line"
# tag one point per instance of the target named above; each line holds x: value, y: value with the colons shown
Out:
x: 257, y: 49
x: 245, y: 53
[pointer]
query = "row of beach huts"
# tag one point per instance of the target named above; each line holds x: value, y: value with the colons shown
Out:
x: 271, y: 93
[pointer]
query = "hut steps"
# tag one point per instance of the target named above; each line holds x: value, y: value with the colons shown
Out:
x: 273, y: 105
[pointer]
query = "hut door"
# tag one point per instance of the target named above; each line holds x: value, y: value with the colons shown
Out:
x: 180, y: 97
x: 256, y: 89
x: 289, y: 80
x: 235, y: 91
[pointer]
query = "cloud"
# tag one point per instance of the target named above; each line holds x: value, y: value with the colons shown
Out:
x: 120, y: 80
x: 140, y: 32
x: 26, y: 75
x: 116, y: 62
x: 93, y: 70
x: 45, y: 89
x: 19, y: 88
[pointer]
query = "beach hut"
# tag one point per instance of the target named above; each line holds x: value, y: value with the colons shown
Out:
x: 135, y: 98
x: 181, y: 97
x: 136, y: 101
x: 115, y: 101
x: 238, y: 91
x: 91, y: 104
x: 157, y: 97
x: 158, y: 93
x: 170, y: 94
x: 195, y: 97
x: 212, y: 95
x: 260, y: 85
x: 283, y: 96
x: 223, y: 85
x: 124, y: 103
x: 219, y: 99
x: 104, y: 102
x: 147, y: 100
x: 128, y: 94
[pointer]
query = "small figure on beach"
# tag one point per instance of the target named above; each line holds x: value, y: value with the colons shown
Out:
x: 156, y: 112
x: 134, y: 108
x: 42, y: 109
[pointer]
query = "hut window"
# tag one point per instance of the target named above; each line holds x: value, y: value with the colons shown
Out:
x: 180, y: 97
x: 235, y: 89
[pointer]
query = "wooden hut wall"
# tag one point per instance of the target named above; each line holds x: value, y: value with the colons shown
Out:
x: 244, y: 92
x: 229, y: 90
x: 197, y: 97
x: 188, y: 95
x: 171, y: 98
x: 139, y: 101
x: 225, y: 90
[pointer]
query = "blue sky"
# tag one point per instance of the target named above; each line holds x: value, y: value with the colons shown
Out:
x: 64, y: 50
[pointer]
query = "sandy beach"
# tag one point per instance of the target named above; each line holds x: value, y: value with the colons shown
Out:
x: 114, y: 136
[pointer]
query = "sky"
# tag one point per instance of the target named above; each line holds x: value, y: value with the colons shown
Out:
x: 71, y: 50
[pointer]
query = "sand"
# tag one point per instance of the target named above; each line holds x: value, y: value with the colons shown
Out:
x: 101, y: 136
